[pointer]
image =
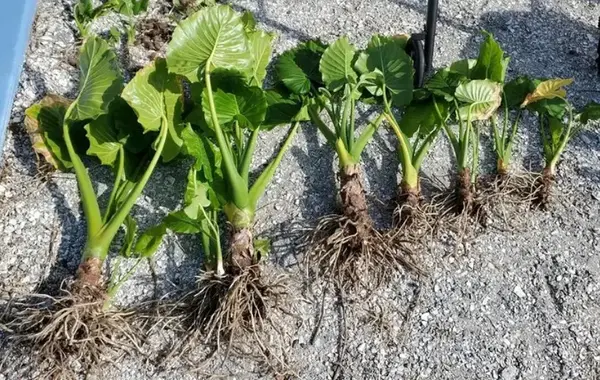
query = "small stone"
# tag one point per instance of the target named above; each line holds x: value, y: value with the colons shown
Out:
x: 519, y: 292
x: 425, y: 316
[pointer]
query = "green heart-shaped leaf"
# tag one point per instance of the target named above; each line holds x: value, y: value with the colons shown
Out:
x: 482, y: 99
x: 261, y: 48
x: 100, y: 80
x: 156, y: 97
x: 211, y: 38
x: 336, y: 65
x: 393, y: 68
x: 491, y: 63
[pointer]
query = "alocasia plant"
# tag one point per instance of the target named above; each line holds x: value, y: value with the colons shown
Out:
x: 333, y: 79
x: 558, y: 121
x: 225, y: 57
x: 128, y: 129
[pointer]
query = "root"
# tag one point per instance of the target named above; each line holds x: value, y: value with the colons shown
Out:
x: 351, y: 254
x: 71, y: 333
x: 229, y: 311
x: 508, y: 197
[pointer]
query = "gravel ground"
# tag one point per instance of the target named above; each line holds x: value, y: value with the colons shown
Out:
x: 518, y: 304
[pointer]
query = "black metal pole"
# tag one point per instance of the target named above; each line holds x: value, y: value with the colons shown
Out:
x: 432, y: 16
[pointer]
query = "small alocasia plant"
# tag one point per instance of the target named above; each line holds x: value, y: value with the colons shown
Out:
x: 128, y: 129
x: 558, y: 121
x: 389, y: 69
x: 474, y: 92
x: 225, y: 57
x: 333, y: 79
x: 84, y: 13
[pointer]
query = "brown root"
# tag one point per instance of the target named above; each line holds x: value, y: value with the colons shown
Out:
x: 351, y: 253
x: 71, y: 333
x: 230, y: 311
x: 508, y: 197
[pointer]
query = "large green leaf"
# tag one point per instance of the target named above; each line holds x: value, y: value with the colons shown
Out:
x: 336, y: 65
x: 44, y: 123
x: 156, y: 97
x: 298, y: 69
x: 491, y: 63
x: 100, y: 80
x: 516, y: 90
x: 421, y: 117
x: 210, y: 38
x: 482, y: 98
x: 444, y: 83
x: 283, y: 108
x: 463, y: 67
x: 261, y: 47
x: 235, y: 101
x: 393, y: 68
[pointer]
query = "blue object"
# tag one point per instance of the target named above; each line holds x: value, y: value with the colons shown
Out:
x: 16, y: 18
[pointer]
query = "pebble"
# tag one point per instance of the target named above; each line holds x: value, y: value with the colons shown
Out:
x: 519, y: 292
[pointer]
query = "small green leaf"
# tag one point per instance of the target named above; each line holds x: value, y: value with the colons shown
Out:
x: 180, y: 223
x: 464, y: 67
x: 104, y: 142
x: 236, y: 101
x: 44, y: 123
x: 444, y: 83
x: 491, y: 63
x: 547, y: 90
x: 262, y: 247
x: 516, y: 90
x: 149, y: 242
x: 336, y: 65
x: 100, y: 80
x: 196, y: 195
x: 283, y: 109
x: 211, y: 38
x: 482, y: 98
x: 130, y: 227
x: 422, y: 117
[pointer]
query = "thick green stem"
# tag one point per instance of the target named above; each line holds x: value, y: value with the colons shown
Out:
x: 117, y: 185
x: 86, y: 190
x: 239, y: 190
x: 247, y: 158
x: 323, y: 128
x: 365, y: 137
x: 110, y: 229
x: 410, y: 175
x: 563, y: 143
x: 420, y: 154
x: 259, y: 187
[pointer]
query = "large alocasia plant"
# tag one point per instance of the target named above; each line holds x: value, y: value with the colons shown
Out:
x: 225, y: 57
x: 127, y: 129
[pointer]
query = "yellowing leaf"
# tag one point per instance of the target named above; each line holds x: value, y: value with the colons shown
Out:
x: 550, y: 89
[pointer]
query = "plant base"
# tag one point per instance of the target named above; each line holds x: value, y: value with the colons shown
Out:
x: 543, y: 189
x: 70, y: 333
